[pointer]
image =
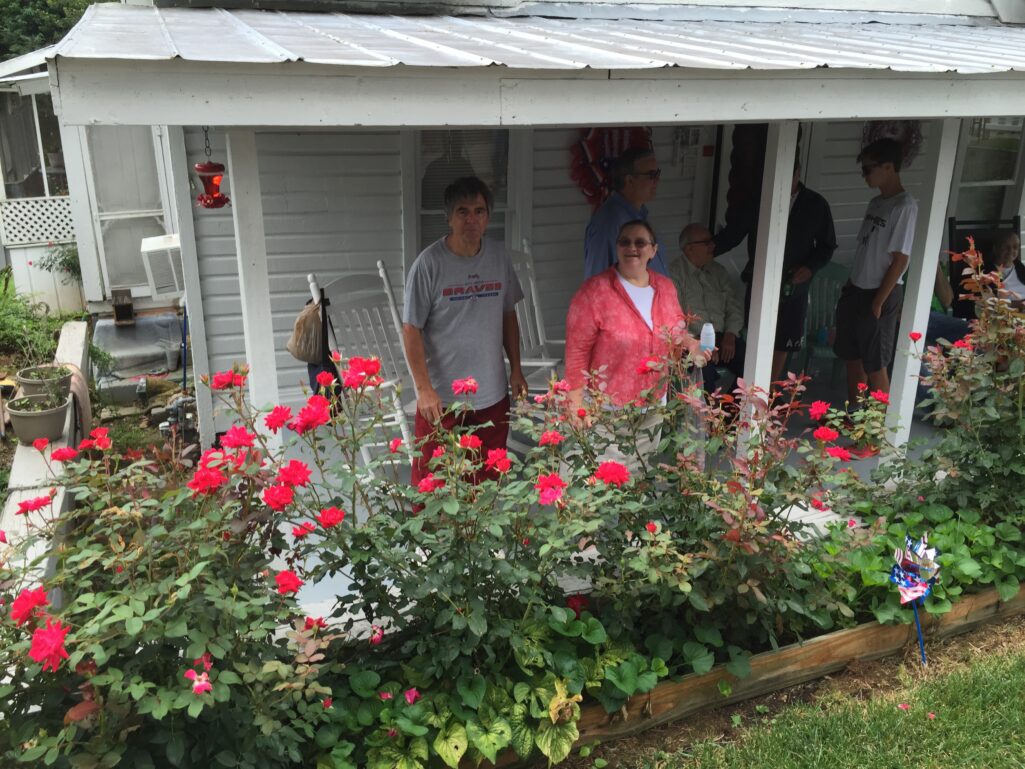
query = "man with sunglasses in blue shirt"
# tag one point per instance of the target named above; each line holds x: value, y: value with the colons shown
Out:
x: 635, y: 176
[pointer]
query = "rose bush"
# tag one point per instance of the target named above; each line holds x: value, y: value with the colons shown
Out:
x: 170, y: 631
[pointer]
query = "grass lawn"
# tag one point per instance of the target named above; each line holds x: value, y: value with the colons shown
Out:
x: 974, y: 687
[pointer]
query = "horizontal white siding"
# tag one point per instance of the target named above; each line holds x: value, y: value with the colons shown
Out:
x: 332, y: 206
x: 561, y: 213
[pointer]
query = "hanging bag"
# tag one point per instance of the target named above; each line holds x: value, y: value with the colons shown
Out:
x: 307, y: 340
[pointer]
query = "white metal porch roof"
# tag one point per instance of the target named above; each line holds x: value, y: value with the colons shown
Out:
x: 112, y: 31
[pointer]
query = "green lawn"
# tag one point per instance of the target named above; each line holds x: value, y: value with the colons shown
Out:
x: 979, y: 723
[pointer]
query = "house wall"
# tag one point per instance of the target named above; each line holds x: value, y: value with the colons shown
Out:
x: 332, y: 205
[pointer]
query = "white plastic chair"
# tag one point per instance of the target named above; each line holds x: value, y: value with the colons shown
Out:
x: 541, y: 357
x: 362, y: 314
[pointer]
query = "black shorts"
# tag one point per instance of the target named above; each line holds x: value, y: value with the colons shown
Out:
x: 862, y: 336
x: 790, y: 322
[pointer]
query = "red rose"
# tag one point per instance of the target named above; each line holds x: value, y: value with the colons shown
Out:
x: 288, y: 582
x: 612, y: 474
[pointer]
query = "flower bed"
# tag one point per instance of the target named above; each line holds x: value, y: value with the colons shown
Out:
x: 179, y: 639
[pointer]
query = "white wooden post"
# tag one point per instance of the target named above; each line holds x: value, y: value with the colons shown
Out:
x: 919, y: 282
x: 86, y: 234
x: 410, y: 199
x: 780, y: 150
x: 254, y: 283
x: 178, y: 170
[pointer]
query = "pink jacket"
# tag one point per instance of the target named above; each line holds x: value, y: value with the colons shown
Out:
x: 603, y: 328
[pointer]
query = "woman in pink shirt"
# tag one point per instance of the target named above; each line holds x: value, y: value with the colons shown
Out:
x: 622, y: 317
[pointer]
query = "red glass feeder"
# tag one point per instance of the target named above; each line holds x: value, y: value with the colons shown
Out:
x: 211, y: 174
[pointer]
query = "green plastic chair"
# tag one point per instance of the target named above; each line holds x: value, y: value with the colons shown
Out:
x: 820, y: 323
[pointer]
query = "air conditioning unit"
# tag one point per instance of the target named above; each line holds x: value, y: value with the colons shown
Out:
x: 162, y: 259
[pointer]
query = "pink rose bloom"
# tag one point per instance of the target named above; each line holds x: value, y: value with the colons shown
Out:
x: 48, y: 644
x: 300, y: 531
x: 914, y: 336
x: 818, y: 410
x: 825, y: 434
x: 277, y: 418
x: 376, y: 635
x: 200, y: 681
x: 295, y: 473
x: 498, y: 460
x: 206, y: 480
x: 470, y: 442
x: 549, y: 488
x: 429, y: 483
x: 837, y: 452
x: 331, y: 516
x: 278, y: 497
x: 325, y: 379
x: 466, y: 386
x: 395, y: 445
x: 40, y: 444
x: 63, y: 454
x: 880, y: 396
x: 411, y: 695
x: 28, y: 604
x: 550, y: 438
x: 237, y: 437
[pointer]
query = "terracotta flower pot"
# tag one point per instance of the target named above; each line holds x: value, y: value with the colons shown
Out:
x: 35, y: 416
x: 44, y: 380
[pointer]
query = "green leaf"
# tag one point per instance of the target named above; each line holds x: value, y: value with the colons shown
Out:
x: 471, y: 689
x: 594, y: 633
x: 228, y: 677
x: 364, y: 683
x: 410, y: 728
x: 556, y: 740
x: 522, y: 733
x: 450, y: 745
x: 176, y: 748
x: 489, y: 740
x: 176, y: 629
x: 707, y: 635
x: 477, y: 621
x: 1007, y: 588
x: 226, y: 758
x: 740, y: 662
x: 195, y: 707
x: 133, y: 625
x: 698, y: 657
x: 969, y: 567
x: 326, y: 736
x: 624, y: 677
x: 659, y: 645
x: 725, y: 687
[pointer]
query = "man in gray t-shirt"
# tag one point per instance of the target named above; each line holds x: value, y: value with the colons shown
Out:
x: 458, y: 316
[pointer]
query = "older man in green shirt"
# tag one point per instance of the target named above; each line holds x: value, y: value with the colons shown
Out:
x: 707, y: 291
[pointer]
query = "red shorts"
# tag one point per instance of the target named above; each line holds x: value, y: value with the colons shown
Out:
x: 494, y: 436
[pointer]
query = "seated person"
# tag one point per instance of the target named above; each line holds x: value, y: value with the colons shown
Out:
x: 705, y: 289
x: 941, y: 325
x: 1007, y: 262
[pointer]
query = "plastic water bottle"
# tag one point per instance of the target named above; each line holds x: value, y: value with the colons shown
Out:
x: 707, y: 337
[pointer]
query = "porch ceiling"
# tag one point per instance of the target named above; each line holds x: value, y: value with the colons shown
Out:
x: 112, y: 31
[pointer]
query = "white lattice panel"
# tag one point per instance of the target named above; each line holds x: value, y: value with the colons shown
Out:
x: 28, y: 221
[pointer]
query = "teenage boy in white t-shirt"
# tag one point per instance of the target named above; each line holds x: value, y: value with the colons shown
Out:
x: 868, y: 312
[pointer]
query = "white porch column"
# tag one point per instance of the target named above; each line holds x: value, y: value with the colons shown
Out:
x: 919, y: 282
x: 78, y: 171
x: 177, y: 164
x: 780, y: 150
x: 254, y: 283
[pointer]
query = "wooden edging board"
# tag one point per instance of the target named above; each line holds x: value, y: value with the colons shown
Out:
x: 788, y: 666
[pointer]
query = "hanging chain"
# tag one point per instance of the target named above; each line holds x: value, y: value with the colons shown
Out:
x: 206, y: 140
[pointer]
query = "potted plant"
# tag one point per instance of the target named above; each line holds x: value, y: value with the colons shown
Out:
x: 47, y: 379
x: 39, y: 416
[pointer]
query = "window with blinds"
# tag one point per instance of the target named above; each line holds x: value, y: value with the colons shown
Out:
x: 447, y: 155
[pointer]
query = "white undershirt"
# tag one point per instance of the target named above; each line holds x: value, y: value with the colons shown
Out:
x: 642, y: 297
x: 1012, y: 284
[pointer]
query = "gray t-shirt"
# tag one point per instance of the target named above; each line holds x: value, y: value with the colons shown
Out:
x: 888, y: 227
x: 458, y: 303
